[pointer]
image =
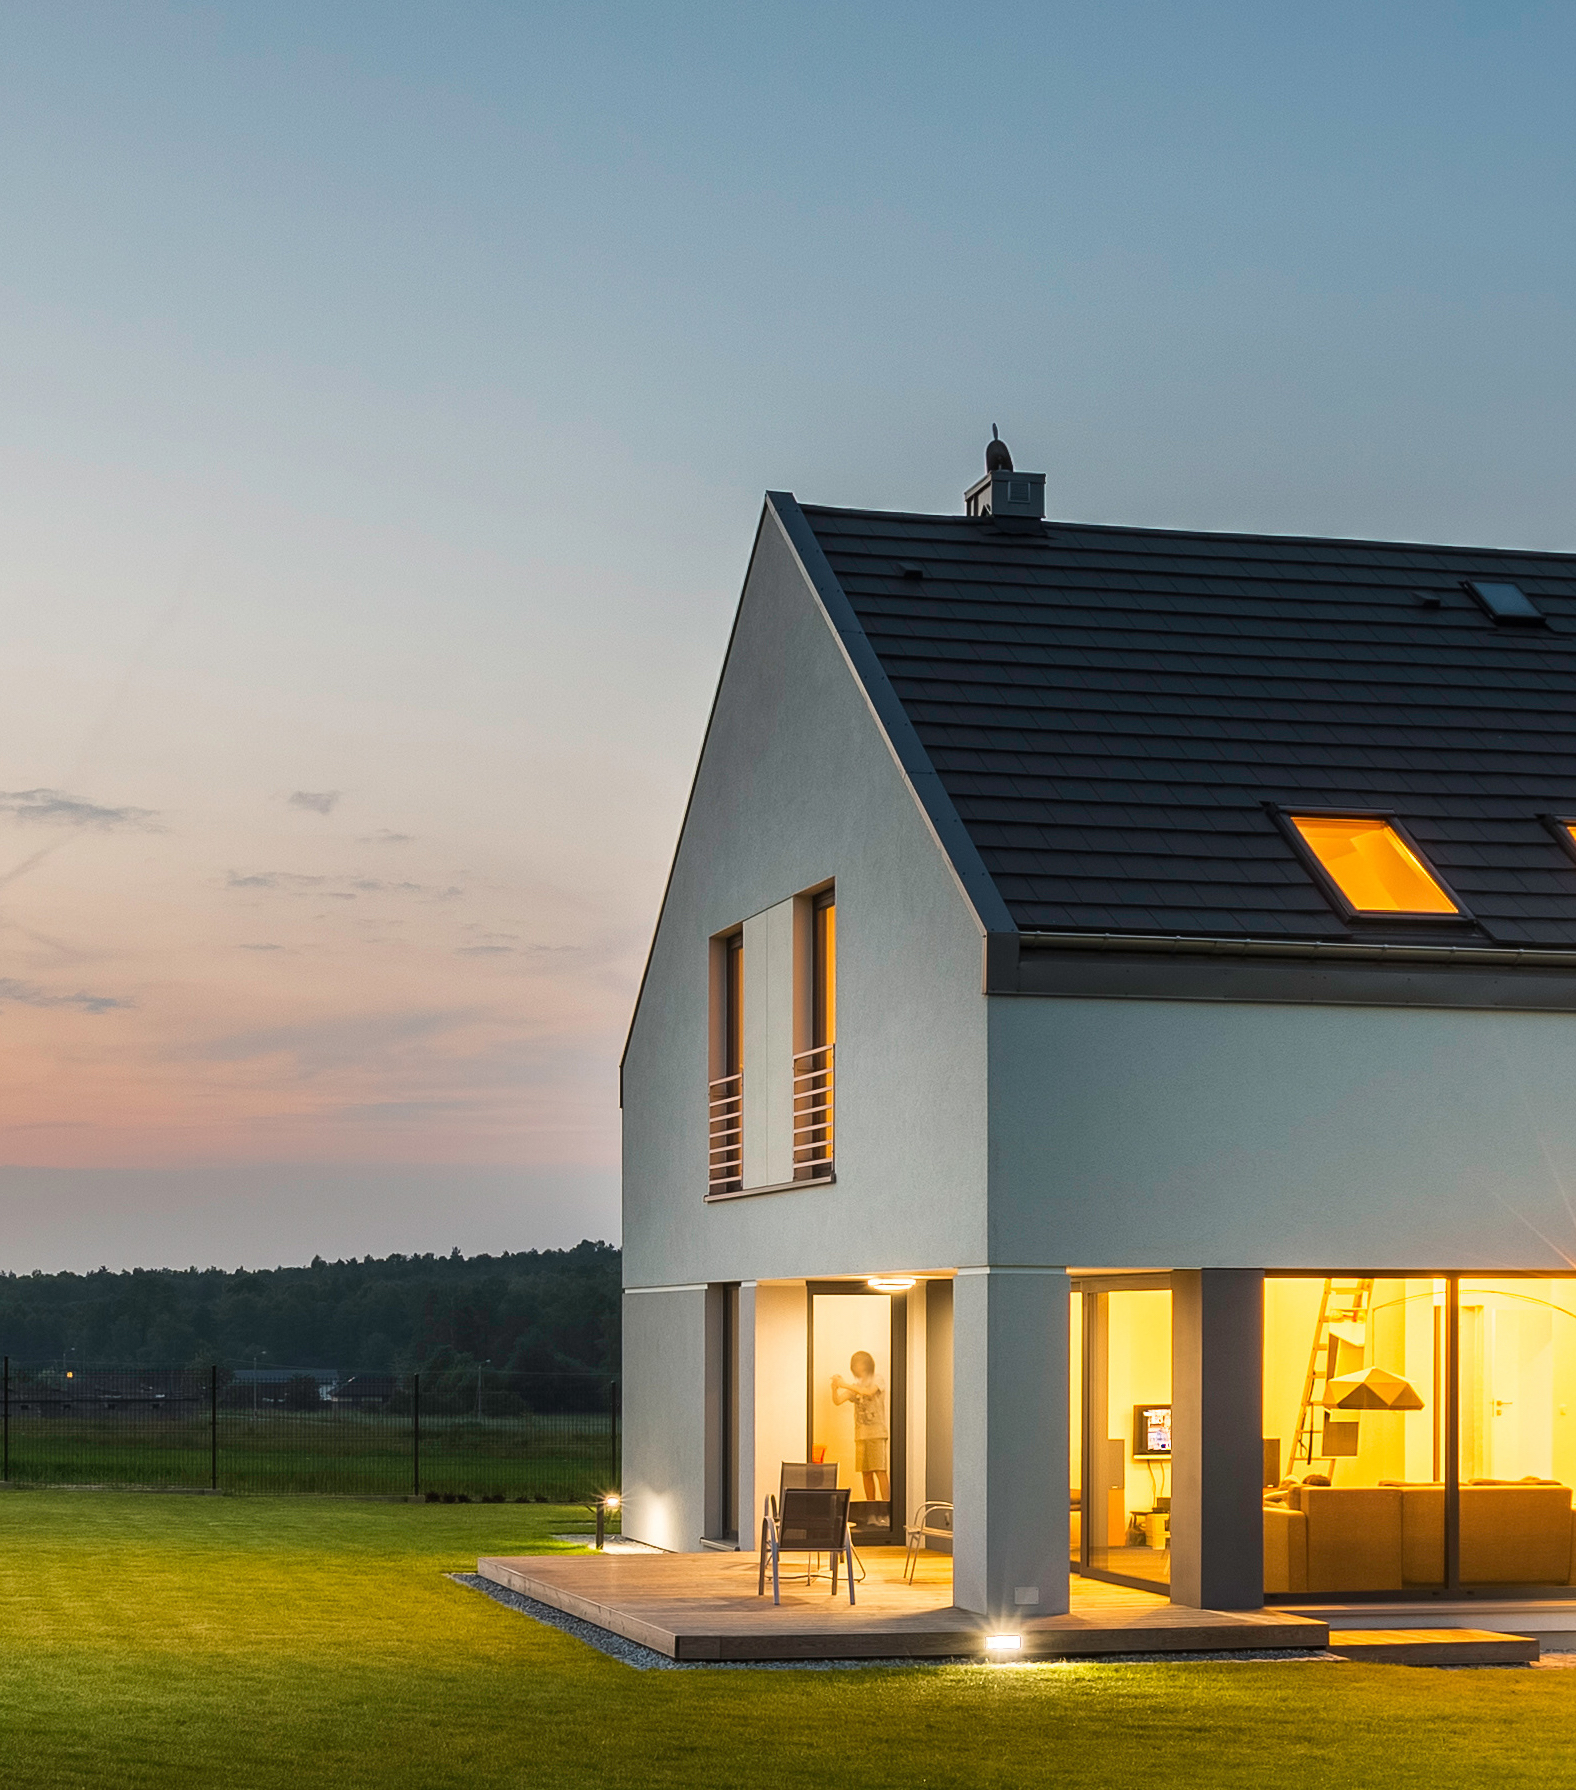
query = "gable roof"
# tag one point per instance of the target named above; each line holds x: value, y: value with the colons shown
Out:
x: 1109, y: 711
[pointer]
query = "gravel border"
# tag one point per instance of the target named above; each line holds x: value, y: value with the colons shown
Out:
x: 647, y: 1659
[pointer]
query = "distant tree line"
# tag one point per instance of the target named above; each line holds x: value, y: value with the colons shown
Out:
x: 536, y: 1311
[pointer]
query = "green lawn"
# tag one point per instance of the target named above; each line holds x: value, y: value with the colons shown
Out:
x: 559, y: 1455
x: 177, y: 1641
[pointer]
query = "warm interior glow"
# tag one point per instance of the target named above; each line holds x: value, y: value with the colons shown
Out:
x: 1373, y: 866
x: 1358, y: 1432
x: 890, y: 1283
x: 826, y: 973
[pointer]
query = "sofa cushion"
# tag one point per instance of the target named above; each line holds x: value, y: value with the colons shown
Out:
x: 1354, y: 1537
x: 1423, y: 1534
x: 1515, y: 1535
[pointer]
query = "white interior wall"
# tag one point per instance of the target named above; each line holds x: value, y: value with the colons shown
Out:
x: 781, y: 1379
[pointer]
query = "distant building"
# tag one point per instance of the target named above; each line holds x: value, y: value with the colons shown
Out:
x: 270, y: 1382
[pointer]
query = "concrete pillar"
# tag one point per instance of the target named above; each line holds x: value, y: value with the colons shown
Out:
x: 1009, y: 1441
x: 1217, y: 1449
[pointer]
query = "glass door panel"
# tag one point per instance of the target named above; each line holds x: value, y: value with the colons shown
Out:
x: 1517, y: 1430
x: 1075, y: 1427
x: 856, y: 1405
x: 1126, y: 1492
x: 1354, y: 1433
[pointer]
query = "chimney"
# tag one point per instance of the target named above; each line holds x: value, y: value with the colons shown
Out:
x: 1003, y: 492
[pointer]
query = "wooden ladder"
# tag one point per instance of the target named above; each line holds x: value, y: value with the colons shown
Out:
x: 1345, y: 1300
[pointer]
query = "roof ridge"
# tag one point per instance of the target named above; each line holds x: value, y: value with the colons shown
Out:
x: 1057, y: 524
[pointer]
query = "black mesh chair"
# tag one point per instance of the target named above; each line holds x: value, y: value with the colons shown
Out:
x: 806, y: 1520
x: 801, y: 1475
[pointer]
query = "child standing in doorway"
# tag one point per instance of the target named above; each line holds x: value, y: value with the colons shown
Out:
x: 872, y: 1439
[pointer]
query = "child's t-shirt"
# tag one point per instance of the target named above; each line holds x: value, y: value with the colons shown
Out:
x: 870, y: 1410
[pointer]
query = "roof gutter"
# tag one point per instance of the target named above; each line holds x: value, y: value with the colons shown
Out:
x: 1351, y: 950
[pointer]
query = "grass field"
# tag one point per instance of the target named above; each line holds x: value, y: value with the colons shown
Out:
x: 557, y: 1455
x: 177, y: 1642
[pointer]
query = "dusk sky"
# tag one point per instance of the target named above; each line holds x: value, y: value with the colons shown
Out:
x: 387, y: 393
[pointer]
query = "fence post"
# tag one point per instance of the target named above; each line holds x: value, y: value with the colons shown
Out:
x: 213, y: 1425
x: 615, y: 1466
x: 5, y: 1448
x: 415, y: 1434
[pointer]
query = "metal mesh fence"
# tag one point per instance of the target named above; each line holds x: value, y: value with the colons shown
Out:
x: 470, y: 1433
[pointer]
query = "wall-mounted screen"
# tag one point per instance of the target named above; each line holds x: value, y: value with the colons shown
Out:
x: 1151, y: 1432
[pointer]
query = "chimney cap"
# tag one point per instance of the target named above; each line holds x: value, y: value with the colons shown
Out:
x: 1004, y: 491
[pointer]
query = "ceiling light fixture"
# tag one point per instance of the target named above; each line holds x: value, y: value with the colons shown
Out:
x: 890, y: 1283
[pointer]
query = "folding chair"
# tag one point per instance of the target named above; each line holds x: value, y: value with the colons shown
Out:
x: 808, y: 1520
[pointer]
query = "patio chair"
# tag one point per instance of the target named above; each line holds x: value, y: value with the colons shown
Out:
x: 808, y: 1520
x: 802, y: 1475
x: 815, y: 1476
x: 923, y: 1528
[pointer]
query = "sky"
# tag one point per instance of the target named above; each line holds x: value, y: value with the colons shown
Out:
x: 387, y: 394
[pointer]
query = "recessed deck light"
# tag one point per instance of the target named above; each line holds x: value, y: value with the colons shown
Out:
x: 1004, y: 1643
x: 891, y: 1283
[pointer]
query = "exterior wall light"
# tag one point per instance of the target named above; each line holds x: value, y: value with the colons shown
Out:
x: 1003, y: 1643
x: 600, y: 1506
x: 891, y: 1283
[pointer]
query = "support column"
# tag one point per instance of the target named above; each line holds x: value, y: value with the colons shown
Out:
x: 1009, y: 1441
x: 1217, y: 1450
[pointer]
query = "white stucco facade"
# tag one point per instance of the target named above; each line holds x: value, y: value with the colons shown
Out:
x: 992, y: 1141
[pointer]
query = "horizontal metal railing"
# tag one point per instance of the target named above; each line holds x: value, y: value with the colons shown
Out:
x: 813, y: 1114
x: 726, y: 1173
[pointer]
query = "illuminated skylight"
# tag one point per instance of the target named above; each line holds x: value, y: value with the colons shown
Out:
x: 1373, y: 866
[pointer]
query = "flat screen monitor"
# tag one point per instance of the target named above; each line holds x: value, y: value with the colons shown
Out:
x: 1151, y: 1432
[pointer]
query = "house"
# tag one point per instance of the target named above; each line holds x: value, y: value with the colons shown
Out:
x: 273, y: 1385
x: 1107, y: 1061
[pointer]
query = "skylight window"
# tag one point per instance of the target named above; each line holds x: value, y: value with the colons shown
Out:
x: 1507, y: 603
x: 1372, y: 865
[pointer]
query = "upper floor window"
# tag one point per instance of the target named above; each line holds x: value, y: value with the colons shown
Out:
x: 1372, y: 867
x: 726, y: 1170
x: 814, y: 1079
x: 773, y: 1042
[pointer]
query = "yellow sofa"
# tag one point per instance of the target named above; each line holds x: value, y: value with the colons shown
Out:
x: 1390, y: 1537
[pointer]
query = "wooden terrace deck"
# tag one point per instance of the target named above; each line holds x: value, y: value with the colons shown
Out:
x: 704, y: 1607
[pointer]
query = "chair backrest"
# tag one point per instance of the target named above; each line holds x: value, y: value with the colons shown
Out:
x: 799, y: 1475
x: 813, y: 1517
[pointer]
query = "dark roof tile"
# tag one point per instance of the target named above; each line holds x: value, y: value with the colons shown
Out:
x: 1111, y: 709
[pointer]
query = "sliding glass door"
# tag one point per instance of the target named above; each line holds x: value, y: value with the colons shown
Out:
x: 1420, y: 1434
x: 1123, y: 1530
